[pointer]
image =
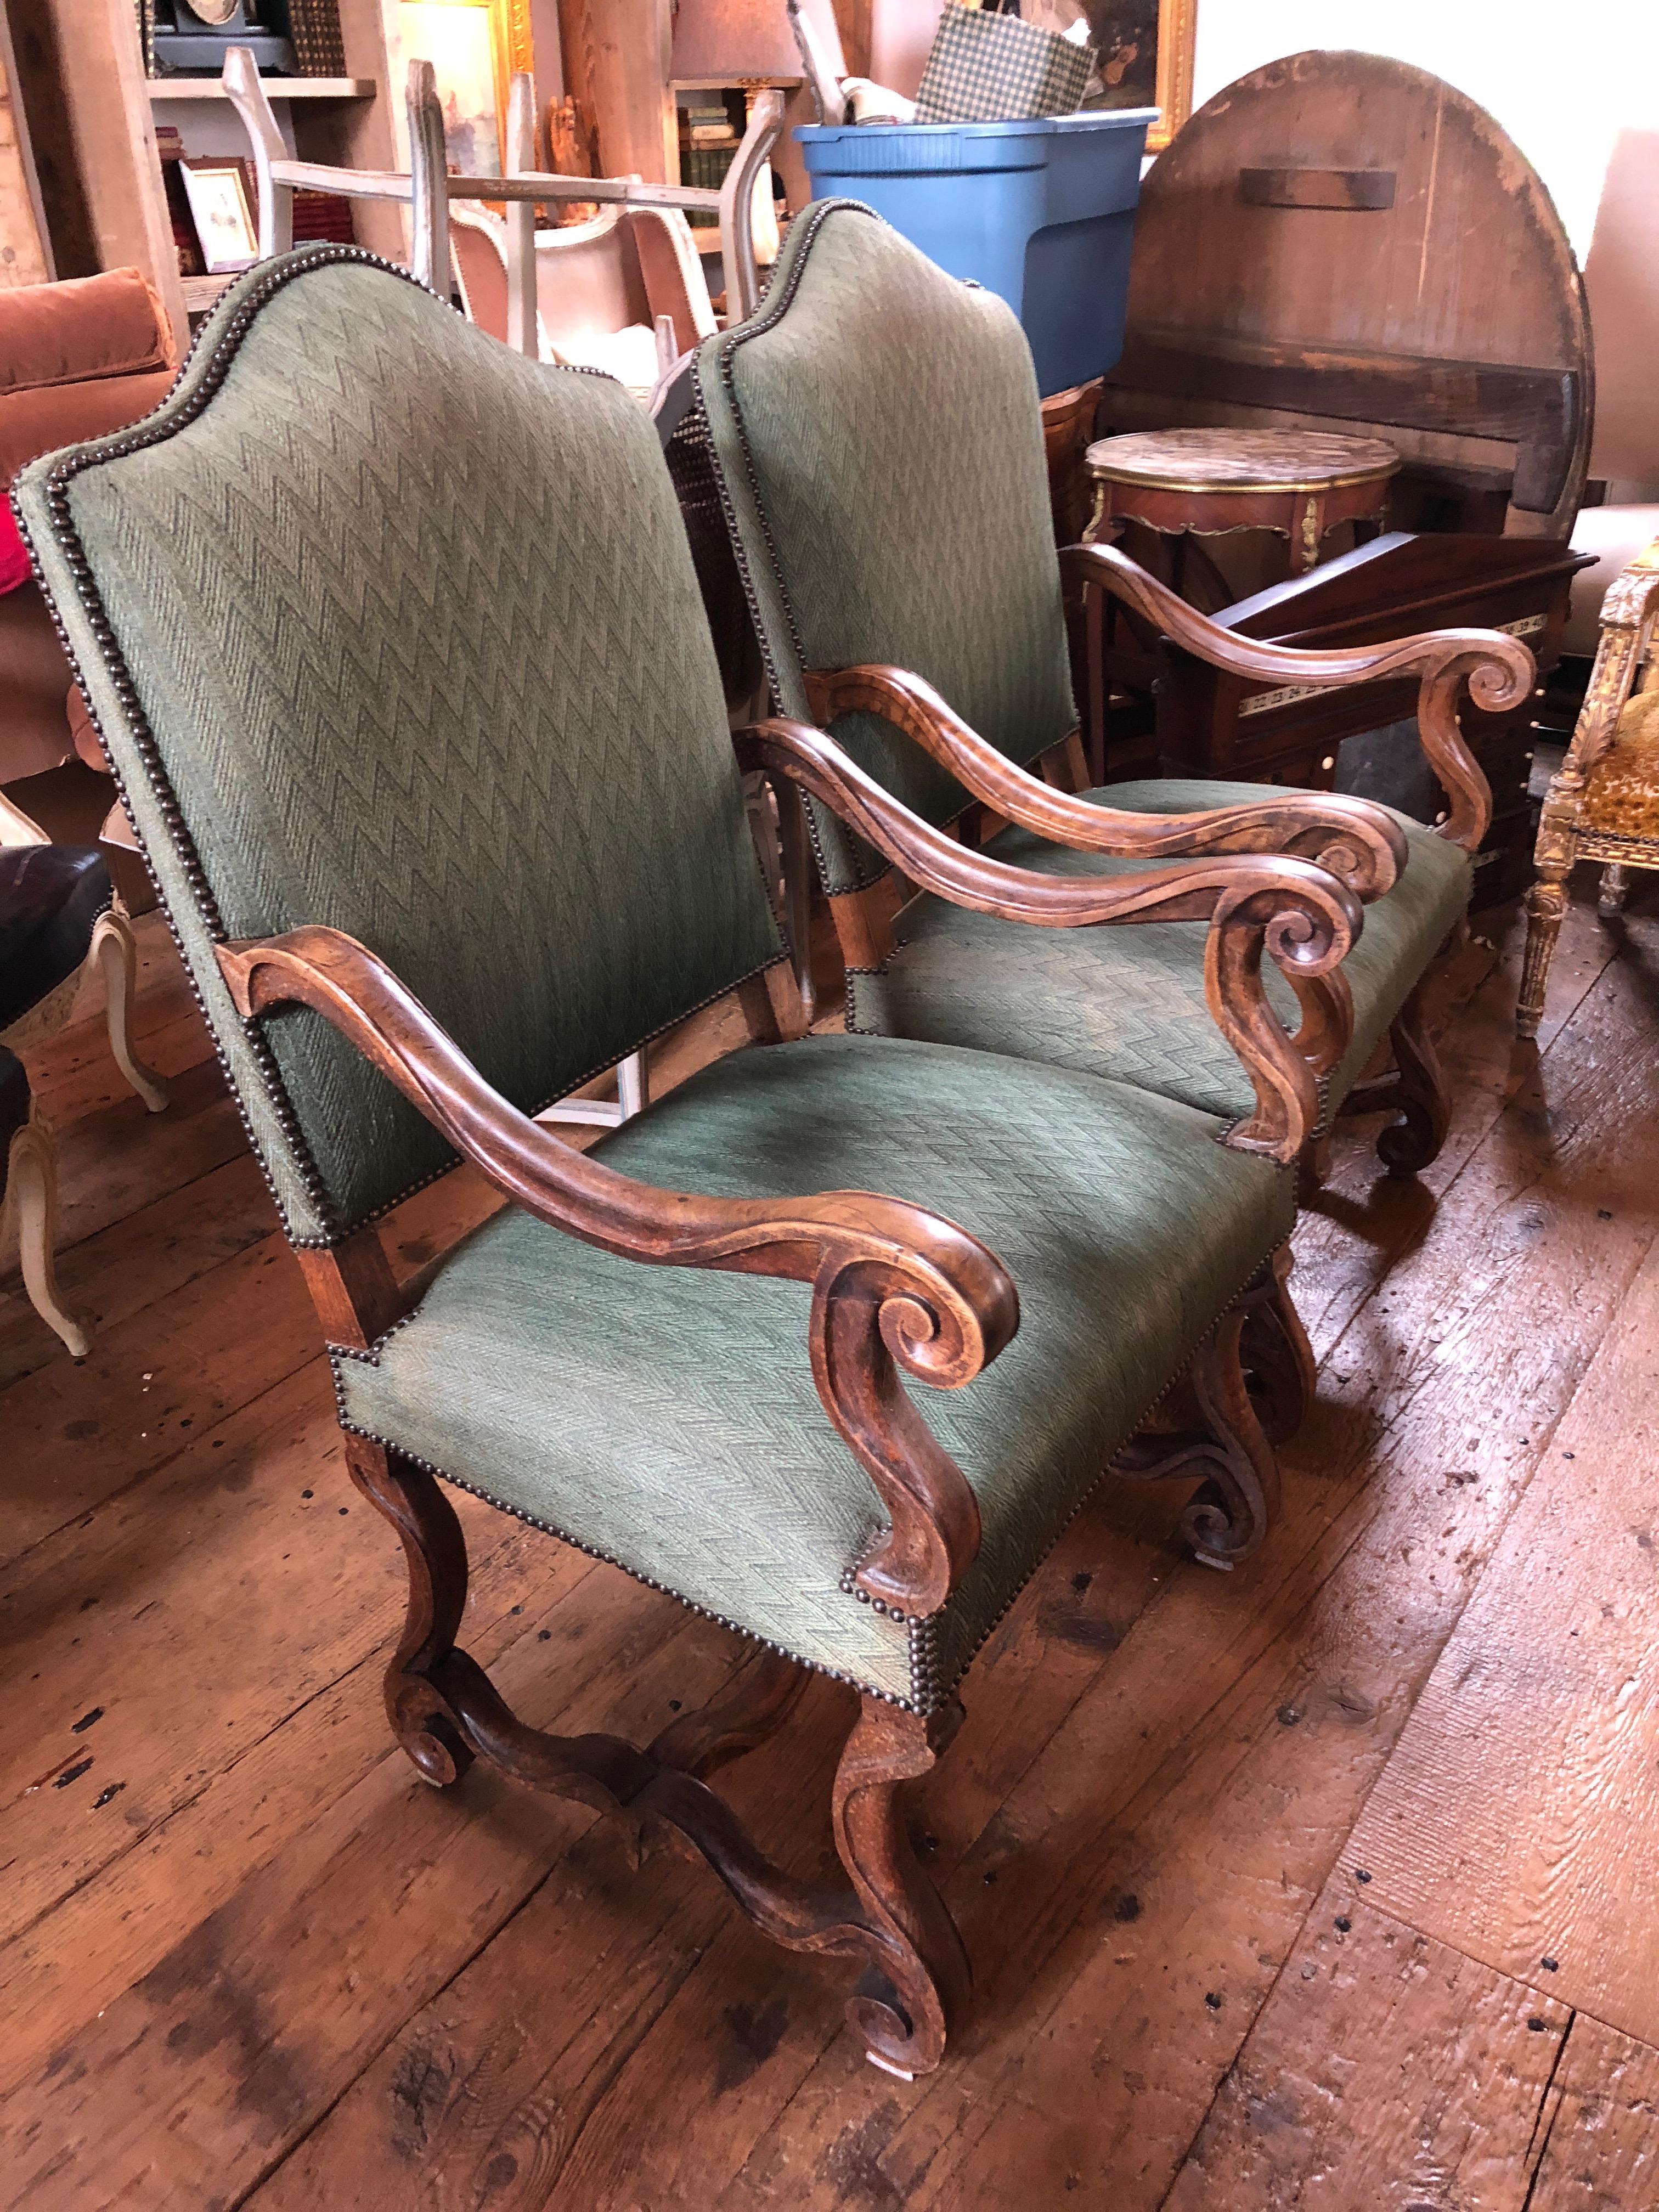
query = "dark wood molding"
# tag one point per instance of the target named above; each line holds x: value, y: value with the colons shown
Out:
x: 1499, y: 672
x: 1354, y: 841
x: 1538, y: 410
x: 1256, y: 903
x: 893, y: 1287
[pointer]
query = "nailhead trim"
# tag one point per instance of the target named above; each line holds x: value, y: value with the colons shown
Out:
x: 225, y: 340
x: 609, y: 1560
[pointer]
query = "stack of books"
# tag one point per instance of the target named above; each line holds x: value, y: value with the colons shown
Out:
x: 709, y: 138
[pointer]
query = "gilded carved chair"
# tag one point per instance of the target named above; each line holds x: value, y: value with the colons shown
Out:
x: 1603, y: 800
x: 394, y: 644
x: 878, y: 437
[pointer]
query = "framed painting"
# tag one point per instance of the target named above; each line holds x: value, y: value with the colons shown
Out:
x: 474, y: 46
x: 1146, y: 49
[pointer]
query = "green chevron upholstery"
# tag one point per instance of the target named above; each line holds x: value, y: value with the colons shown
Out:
x: 878, y: 431
x: 1129, y: 1003
x: 667, y: 1417
x: 388, y: 629
x: 405, y: 628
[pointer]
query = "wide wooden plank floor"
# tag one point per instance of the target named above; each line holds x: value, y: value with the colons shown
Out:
x: 1327, y: 1884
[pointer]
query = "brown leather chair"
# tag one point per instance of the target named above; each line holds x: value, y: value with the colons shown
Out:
x: 76, y: 360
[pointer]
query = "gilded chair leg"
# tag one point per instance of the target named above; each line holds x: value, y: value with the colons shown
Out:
x: 1546, y: 905
x: 918, y: 1987
x: 1277, y: 1358
x: 115, y: 954
x: 1615, y: 888
x: 31, y: 1203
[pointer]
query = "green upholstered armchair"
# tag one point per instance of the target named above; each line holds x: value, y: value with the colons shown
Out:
x: 393, y: 641
x: 877, y: 432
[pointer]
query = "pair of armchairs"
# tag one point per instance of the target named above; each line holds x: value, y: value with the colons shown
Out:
x: 394, y: 640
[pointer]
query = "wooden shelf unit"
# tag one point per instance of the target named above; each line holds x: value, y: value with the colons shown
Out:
x: 107, y: 139
x: 165, y: 88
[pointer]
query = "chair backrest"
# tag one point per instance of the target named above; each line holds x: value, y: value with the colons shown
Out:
x: 387, y: 628
x: 878, y: 433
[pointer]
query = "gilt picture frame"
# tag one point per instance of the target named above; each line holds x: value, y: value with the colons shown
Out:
x: 475, y: 47
x: 1146, y: 49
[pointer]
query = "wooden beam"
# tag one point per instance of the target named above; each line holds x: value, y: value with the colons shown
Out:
x: 25, y: 249
x: 107, y: 105
x: 616, y: 62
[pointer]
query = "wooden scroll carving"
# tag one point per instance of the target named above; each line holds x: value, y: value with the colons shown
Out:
x: 1499, y: 671
x: 893, y: 1287
x: 1256, y: 903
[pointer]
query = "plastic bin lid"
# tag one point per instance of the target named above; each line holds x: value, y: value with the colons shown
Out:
x: 1021, y: 143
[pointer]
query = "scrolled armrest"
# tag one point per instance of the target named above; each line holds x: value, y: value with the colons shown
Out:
x: 893, y: 1286
x: 1360, y: 844
x: 1287, y: 907
x: 1498, y: 670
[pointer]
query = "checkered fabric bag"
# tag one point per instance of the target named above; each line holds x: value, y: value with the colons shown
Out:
x: 991, y: 69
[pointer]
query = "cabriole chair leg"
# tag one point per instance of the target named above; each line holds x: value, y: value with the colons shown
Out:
x: 31, y: 1204
x: 1212, y: 1427
x: 115, y: 954
x: 445, y: 1711
x: 917, y: 1987
x: 1417, y: 1092
x: 1277, y: 1358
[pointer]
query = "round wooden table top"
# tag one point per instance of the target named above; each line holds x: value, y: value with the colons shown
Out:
x: 1240, y: 460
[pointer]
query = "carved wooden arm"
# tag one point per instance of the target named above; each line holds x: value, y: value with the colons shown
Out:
x: 893, y: 1287
x: 1254, y: 903
x: 1360, y: 844
x: 1499, y: 672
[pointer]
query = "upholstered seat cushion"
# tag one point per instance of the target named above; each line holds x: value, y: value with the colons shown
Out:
x: 1129, y: 1002
x: 667, y: 1417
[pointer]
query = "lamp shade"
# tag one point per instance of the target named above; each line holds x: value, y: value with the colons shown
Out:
x: 721, y: 42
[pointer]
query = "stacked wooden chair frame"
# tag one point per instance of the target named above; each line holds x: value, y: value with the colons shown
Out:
x: 438, y: 788
x: 1603, y: 801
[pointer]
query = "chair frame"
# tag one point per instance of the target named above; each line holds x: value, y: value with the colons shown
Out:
x: 898, y: 1293
x: 896, y: 1290
x: 1625, y: 645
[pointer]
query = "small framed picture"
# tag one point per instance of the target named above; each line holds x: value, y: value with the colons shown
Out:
x: 224, y: 220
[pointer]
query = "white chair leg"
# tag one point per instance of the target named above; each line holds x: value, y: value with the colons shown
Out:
x: 632, y: 1085
x: 1615, y: 888
x: 115, y: 951
x: 31, y: 1201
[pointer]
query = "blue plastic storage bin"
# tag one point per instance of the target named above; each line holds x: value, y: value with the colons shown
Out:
x: 1040, y: 211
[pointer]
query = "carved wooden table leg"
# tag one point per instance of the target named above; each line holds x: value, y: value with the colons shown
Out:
x: 904, y: 2007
